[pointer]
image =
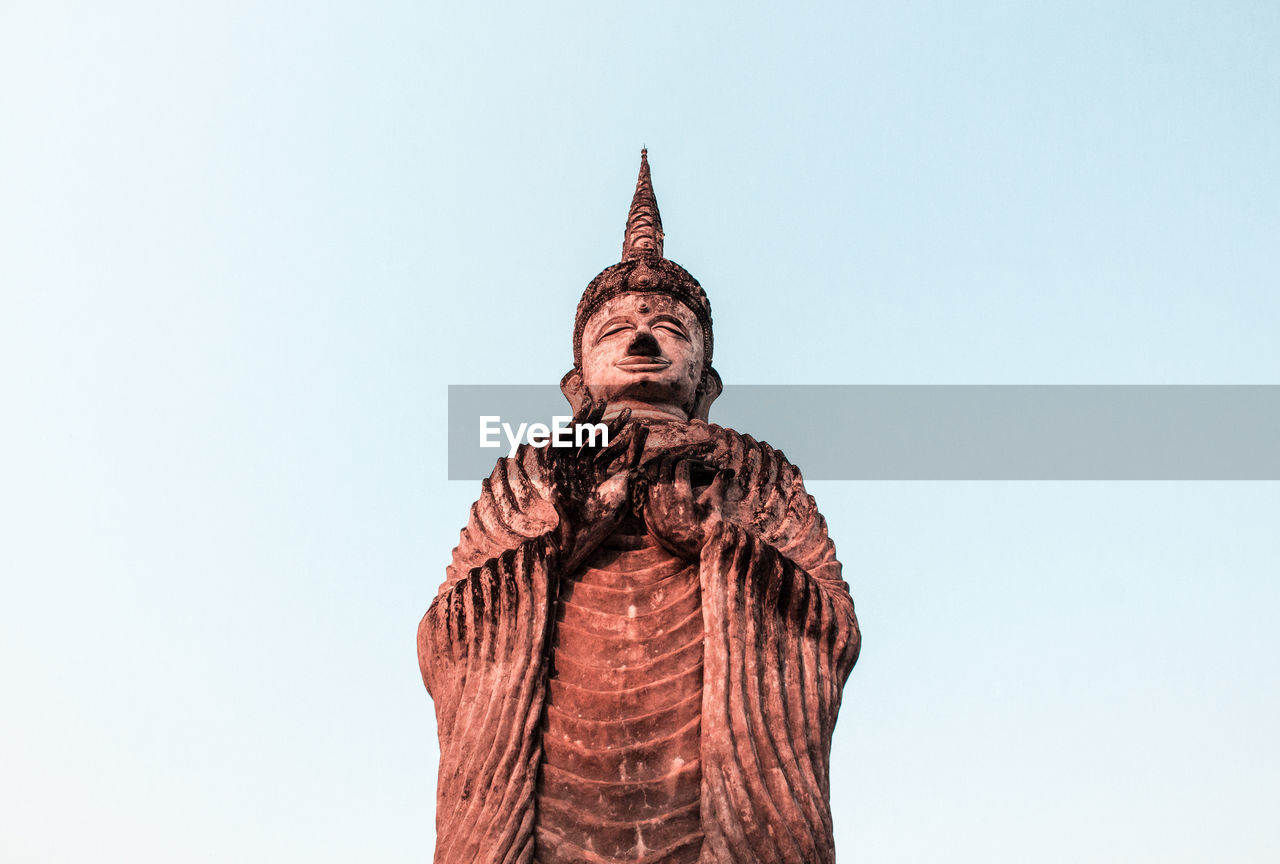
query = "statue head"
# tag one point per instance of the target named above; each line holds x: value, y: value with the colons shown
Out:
x: 642, y: 333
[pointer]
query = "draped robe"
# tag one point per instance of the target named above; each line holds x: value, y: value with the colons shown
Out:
x: 779, y: 638
x: 621, y: 731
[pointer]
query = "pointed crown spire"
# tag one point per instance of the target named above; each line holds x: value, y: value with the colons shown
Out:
x: 643, y: 238
x: 643, y: 269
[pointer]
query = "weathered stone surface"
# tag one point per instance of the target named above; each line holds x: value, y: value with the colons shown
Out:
x: 622, y: 723
x: 639, y: 649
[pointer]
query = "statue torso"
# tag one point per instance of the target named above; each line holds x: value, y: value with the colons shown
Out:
x: 620, y: 773
x: 695, y: 728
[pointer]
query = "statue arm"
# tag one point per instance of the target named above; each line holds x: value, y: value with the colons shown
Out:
x: 804, y: 578
x: 481, y: 652
x: 780, y: 643
x: 782, y: 638
x: 513, y: 518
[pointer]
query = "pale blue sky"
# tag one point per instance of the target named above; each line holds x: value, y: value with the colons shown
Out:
x: 244, y: 250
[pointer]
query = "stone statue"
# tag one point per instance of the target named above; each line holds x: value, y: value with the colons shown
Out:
x: 639, y: 648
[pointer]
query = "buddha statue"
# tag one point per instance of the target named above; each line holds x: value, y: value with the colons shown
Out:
x: 640, y: 645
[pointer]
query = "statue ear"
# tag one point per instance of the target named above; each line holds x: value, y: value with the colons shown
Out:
x: 708, y: 390
x: 575, y: 390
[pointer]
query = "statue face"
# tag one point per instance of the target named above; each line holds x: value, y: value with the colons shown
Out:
x: 643, y: 351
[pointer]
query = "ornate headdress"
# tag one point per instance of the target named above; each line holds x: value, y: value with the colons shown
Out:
x: 643, y: 270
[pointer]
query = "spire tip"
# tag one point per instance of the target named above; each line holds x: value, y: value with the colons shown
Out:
x: 643, y: 237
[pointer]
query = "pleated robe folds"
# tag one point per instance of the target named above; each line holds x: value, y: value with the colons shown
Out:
x: 780, y: 638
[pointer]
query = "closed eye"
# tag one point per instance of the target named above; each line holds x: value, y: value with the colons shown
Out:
x: 615, y: 329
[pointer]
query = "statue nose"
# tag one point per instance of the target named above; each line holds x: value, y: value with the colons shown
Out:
x: 644, y: 344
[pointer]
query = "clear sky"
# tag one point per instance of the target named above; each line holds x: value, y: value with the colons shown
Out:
x: 244, y: 248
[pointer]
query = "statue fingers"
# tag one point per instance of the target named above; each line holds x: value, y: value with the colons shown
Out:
x: 614, y: 490
x: 591, y: 412
x: 619, y: 423
x: 592, y: 415
x: 683, y: 479
x: 661, y: 499
x: 618, y: 444
x: 653, y: 513
x: 667, y: 470
x: 718, y: 490
x: 639, y: 436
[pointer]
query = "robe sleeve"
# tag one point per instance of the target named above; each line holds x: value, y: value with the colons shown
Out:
x: 481, y: 648
x: 781, y: 639
x: 514, y: 506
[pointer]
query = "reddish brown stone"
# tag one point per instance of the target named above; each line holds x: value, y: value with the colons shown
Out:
x: 638, y: 651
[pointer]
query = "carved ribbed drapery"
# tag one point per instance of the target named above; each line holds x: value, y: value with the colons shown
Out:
x: 516, y: 653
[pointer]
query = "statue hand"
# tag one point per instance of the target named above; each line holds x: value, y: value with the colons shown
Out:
x: 592, y: 483
x: 677, y: 519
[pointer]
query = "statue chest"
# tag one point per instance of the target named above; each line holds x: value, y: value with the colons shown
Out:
x: 620, y: 772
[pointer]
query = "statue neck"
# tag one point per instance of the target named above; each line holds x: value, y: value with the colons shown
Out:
x: 646, y: 410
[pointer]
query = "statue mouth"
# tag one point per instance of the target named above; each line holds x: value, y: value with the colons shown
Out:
x: 643, y: 364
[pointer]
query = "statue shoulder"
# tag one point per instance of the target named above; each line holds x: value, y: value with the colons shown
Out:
x: 769, y: 492
x: 515, y: 505
x: 739, y: 451
x: 767, y: 495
